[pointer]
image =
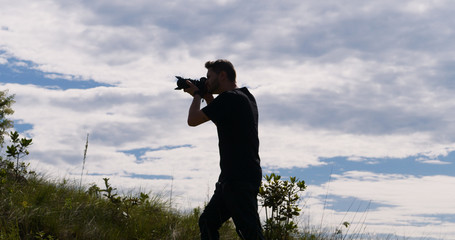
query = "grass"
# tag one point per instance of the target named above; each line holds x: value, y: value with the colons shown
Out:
x: 37, y: 208
x: 33, y: 207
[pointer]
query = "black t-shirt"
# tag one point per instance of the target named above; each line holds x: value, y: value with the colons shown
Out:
x: 235, y: 115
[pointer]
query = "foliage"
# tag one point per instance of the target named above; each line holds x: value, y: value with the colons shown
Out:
x: 281, y: 199
x: 16, y: 151
x: 11, y: 168
x: 5, y: 109
x: 39, y: 209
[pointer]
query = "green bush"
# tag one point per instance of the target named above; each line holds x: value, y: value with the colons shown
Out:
x: 280, y: 200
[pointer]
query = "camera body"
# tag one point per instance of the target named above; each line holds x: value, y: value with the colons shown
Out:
x: 182, y: 84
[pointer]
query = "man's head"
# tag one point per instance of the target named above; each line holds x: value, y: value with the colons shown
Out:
x: 220, y: 76
x: 222, y: 65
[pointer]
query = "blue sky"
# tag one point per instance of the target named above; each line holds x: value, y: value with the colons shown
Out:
x: 355, y: 97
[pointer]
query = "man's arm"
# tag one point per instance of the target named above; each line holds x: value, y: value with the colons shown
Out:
x: 195, y: 115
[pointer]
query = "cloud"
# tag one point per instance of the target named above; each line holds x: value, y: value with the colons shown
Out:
x: 369, y: 81
x: 410, y: 209
x: 433, y: 161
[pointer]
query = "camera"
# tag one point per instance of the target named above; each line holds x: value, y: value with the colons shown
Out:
x: 181, y: 84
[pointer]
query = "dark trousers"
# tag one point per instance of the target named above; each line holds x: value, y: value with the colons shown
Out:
x: 236, y: 200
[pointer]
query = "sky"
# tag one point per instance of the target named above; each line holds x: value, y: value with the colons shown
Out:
x: 356, y: 98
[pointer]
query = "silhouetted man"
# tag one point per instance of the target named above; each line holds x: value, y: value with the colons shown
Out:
x: 234, y: 112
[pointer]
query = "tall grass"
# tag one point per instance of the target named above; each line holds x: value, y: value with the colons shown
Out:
x: 38, y: 208
x: 33, y: 207
x: 41, y: 209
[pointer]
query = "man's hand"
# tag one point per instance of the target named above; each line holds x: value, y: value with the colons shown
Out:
x: 192, y: 89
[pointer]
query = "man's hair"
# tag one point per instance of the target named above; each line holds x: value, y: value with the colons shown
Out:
x: 221, y: 65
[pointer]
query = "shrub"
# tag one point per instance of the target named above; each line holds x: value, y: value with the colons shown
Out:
x: 280, y: 200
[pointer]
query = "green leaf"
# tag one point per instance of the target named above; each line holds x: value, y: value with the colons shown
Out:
x: 11, y: 151
x: 14, y: 136
x: 25, y: 142
x: 292, y: 179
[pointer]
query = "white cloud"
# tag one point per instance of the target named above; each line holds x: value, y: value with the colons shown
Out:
x: 432, y: 161
x: 3, y: 60
x: 414, y: 209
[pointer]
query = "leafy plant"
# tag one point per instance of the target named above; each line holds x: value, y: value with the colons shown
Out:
x: 124, y: 204
x: 94, y: 191
x: 5, y: 109
x: 15, y: 152
x: 280, y: 200
x: 109, y: 192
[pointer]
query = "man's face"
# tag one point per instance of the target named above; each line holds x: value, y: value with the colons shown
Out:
x: 212, y: 81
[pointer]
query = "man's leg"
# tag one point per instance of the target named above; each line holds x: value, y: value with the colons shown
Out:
x: 241, y: 200
x: 214, y: 215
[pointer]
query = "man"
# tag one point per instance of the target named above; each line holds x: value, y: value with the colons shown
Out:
x: 235, y: 115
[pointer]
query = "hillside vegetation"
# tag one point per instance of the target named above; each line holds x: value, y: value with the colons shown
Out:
x: 32, y: 207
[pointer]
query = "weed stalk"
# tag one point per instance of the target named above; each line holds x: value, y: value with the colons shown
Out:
x: 83, y: 160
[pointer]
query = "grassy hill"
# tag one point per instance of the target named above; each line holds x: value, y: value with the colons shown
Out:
x: 32, y: 207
